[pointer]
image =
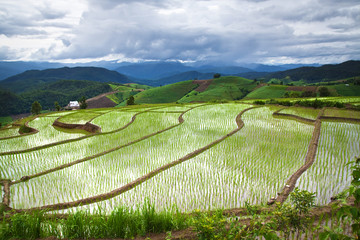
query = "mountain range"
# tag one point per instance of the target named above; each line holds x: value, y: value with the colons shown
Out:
x: 145, y: 71
x: 63, y: 84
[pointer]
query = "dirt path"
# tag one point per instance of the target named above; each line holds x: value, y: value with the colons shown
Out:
x: 6, y: 189
x: 203, y: 84
x: 309, y: 160
x: 295, y: 117
x: 101, y: 95
x: 88, y: 126
x: 140, y: 180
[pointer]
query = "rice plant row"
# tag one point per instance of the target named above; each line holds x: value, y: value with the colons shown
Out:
x: 9, y: 132
x: 250, y: 166
x: 47, y: 134
x: 116, y: 169
x: 28, y: 163
x: 330, y: 174
x: 342, y: 113
x: 309, y: 113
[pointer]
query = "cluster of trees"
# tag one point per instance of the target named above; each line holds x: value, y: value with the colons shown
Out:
x: 305, y: 103
x: 61, y: 92
x: 36, y: 106
x: 323, y: 92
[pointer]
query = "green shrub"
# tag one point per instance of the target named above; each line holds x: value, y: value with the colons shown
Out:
x: 24, y: 129
x: 259, y: 102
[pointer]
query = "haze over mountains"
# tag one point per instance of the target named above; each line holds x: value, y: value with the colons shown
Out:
x: 146, y: 70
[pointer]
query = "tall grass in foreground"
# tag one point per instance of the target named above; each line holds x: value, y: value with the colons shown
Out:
x: 123, y: 222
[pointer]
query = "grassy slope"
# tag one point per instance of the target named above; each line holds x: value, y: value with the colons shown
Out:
x: 264, y: 92
x: 125, y: 91
x: 5, y: 120
x: 166, y: 94
x: 343, y: 90
x: 224, y: 88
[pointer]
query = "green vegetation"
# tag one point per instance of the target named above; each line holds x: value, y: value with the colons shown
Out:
x: 123, y: 222
x: 35, y: 79
x: 265, y: 92
x: 79, y: 117
x: 5, y: 121
x: 166, y: 94
x: 235, y: 162
x: 314, y: 103
x: 24, y: 129
x: 125, y: 91
x: 130, y: 101
x: 220, y: 89
x: 346, y: 89
x: 57, y: 106
x: 324, y: 73
x: 342, y: 113
x: 309, y: 113
x: 82, y: 102
x: 61, y: 91
x: 36, y: 108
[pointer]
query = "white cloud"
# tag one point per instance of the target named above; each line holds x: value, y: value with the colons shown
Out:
x: 214, y: 30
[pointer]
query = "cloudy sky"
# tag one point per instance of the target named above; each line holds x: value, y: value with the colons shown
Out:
x: 228, y: 31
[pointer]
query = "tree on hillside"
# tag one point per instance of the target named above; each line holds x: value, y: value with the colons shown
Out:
x: 324, y: 92
x: 217, y: 75
x: 82, y: 102
x: 57, y: 106
x: 130, y: 101
x: 36, y: 108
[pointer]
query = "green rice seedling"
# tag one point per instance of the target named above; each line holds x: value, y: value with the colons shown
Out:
x: 47, y: 134
x: 176, y: 108
x: 237, y: 170
x: 309, y: 113
x: 16, y: 166
x: 201, y: 126
x: 59, y: 114
x: 79, y: 117
x: 343, y: 113
x: 338, y: 145
x: 9, y: 132
x: 113, y: 120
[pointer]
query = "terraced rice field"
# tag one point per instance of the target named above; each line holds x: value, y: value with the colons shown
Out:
x: 196, y: 156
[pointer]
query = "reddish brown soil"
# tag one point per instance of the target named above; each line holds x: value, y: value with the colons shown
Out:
x: 101, y: 101
x: 302, y: 88
x: 260, y: 85
x: 18, y: 116
x: 203, y: 84
x: 89, y: 127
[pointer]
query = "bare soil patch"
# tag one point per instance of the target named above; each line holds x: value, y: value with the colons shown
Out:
x: 302, y: 88
x: 203, y: 84
x: 101, y: 101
